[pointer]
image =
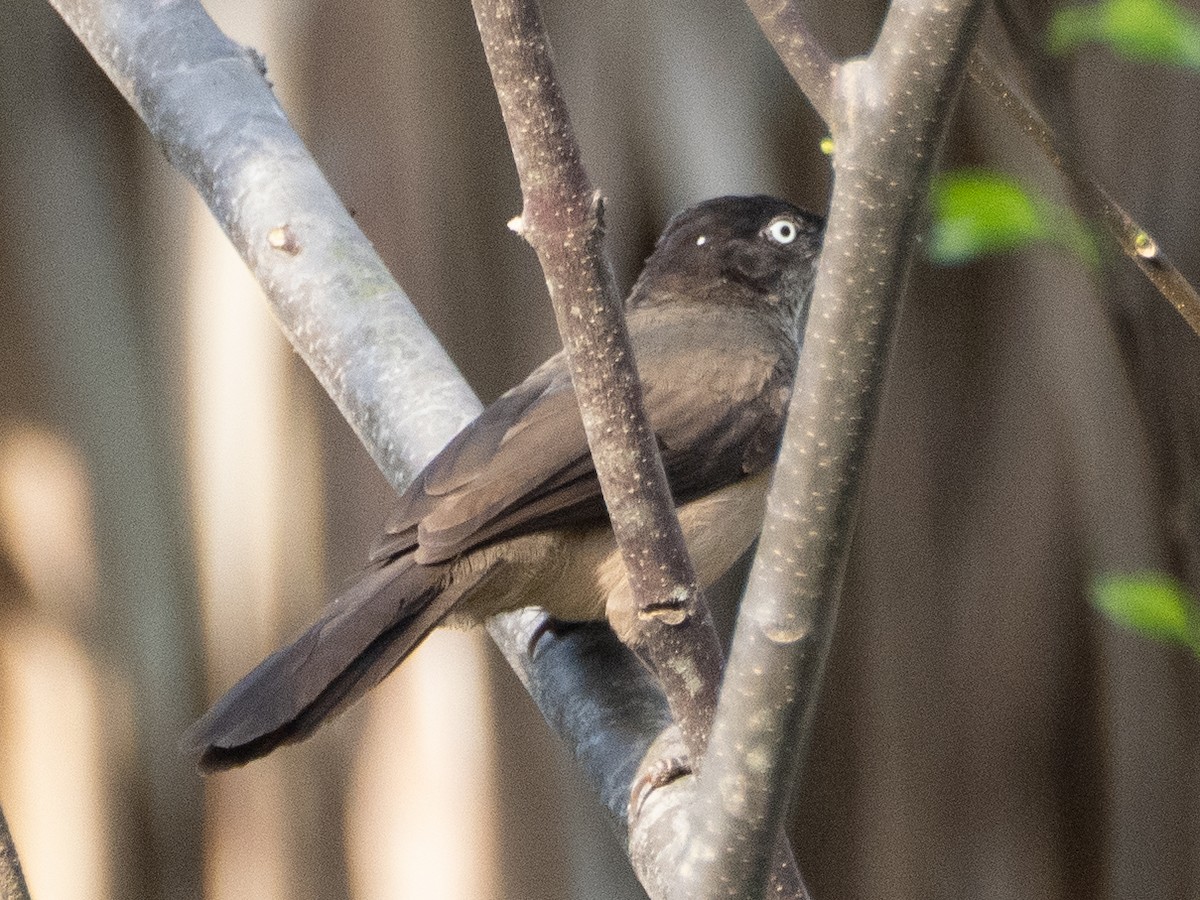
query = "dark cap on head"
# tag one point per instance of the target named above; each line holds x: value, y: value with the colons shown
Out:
x: 739, y: 249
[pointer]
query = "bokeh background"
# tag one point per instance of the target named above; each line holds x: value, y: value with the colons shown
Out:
x: 177, y: 496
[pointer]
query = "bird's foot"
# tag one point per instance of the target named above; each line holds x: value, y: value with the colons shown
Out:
x: 553, y: 627
x: 666, y: 761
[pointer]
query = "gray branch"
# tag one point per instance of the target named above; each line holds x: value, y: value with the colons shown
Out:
x: 562, y: 219
x: 208, y: 105
x: 891, y: 113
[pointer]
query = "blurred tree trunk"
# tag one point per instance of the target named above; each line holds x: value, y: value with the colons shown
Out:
x: 70, y: 228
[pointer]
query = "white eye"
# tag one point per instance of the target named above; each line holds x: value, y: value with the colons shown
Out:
x: 782, y: 230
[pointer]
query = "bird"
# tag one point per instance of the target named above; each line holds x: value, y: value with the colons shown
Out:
x: 509, y: 514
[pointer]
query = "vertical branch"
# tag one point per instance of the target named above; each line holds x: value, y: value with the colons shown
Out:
x: 562, y: 220
x: 892, y: 108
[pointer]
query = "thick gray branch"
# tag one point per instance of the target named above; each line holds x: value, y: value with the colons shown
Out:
x: 562, y: 220
x: 207, y: 103
x: 891, y: 113
x: 609, y: 739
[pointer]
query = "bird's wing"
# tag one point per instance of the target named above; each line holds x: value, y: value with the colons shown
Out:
x: 524, y: 463
x: 518, y: 448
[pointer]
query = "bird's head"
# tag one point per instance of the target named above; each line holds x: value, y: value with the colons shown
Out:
x: 757, y: 251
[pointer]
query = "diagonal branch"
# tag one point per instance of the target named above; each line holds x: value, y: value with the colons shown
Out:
x: 1094, y: 200
x: 208, y: 105
x: 891, y: 115
x: 562, y: 219
x: 806, y: 60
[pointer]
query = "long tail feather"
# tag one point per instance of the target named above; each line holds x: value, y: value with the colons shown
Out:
x: 362, y: 636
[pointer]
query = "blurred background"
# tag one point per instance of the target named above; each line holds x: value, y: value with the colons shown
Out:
x: 178, y: 497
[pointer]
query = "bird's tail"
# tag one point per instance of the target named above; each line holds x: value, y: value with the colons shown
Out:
x: 361, y: 637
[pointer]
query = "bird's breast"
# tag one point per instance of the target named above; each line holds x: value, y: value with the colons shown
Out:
x: 718, y: 528
x: 577, y: 574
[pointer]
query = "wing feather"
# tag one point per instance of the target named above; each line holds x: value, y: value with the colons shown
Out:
x: 524, y: 464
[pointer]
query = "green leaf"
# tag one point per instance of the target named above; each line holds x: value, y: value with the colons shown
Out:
x: 1143, y: 30
x: 1151, y: 603
x: 977, y: 212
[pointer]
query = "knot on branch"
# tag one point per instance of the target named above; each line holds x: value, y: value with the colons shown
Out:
x: 284, y: 239
x: 672, y: 611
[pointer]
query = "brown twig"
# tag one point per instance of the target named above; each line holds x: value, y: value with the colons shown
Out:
x: 1097, y: 204
x: 562, y: 220
x: 891, y: 114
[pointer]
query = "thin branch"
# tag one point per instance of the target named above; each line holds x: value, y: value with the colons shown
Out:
x: 208, y: 105
x: 892, y: 109
x: 1097, y: 204
x: 12, y: 879
x: 562, y: 219
x: 806, y: 60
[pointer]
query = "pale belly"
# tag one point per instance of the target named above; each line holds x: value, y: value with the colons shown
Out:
x: 577, y: 573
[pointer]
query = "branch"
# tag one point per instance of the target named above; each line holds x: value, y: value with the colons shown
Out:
x: 662, y: 822
x: 892, y: 109
x: 805, y: 59
x: 12, y: 879
x: 610, y: 738
x: 562, y: 219
x: 1094, y: 200
x: 208, y: 105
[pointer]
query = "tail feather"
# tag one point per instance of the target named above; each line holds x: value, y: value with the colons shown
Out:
x: 361, y: 637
